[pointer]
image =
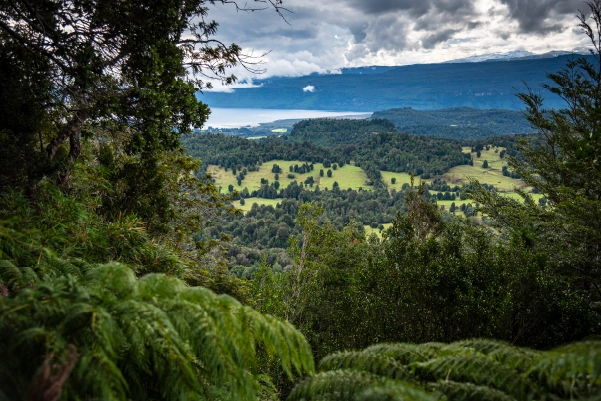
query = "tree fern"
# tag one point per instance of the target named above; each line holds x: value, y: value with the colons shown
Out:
x: 572, y: 371
x: 461, y: 371
x: 152, y: 337
x: 335, y: 385
x: 367, y: 362
x: 468, y: 392
x: 477, y: 370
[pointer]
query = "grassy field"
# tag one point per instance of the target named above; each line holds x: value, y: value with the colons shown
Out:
x: 493, y: 175
x: 401, y: 178
x: 369, y: 230
x: 347, y: 176
x: 280, y: 130
x: 248, y: 203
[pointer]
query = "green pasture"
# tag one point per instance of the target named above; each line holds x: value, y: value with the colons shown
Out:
x: 401, y: 178
x: 280, y: 130
x: 248, y: 203
x: 347, y: 176
x: 493, y: 175
x: 369, y: 230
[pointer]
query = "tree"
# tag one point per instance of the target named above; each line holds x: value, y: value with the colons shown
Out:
x: 485, y: 164
x: 105, y: 69
x: 393, y: 180
x: 564, y: 167
x: 329, y: 173
x: 321, y: 173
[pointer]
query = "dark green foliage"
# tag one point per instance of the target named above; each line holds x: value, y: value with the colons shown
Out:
x: 335, y: 132
x: 458, y: 372
x: 152, y: 337
x: 458, y: 123
x: 388, y: 151
x: 563, y: 166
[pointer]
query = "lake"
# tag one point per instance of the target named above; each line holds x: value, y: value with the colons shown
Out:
x: 233, y: 118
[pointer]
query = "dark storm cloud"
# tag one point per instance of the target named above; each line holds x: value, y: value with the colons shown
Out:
x: 542, y: 16
x: 431, y: 40
x: 415, y: 8
x: 318, y: 35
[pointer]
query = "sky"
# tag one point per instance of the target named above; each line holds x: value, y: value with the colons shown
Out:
x: 322, y: 36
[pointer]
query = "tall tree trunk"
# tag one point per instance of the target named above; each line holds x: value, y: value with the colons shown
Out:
x: 69, y: 131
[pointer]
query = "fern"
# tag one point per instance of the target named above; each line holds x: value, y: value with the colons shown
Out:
x: 461, y: 371
x: 477, y: 370
x: 335, y: 385
x: 511, y: 356
x: 454, y: 391
x: 572, y: 371
x: 403, y: 353
x: 395, y: 392
x: 366, y: 362
x: 152, y: 337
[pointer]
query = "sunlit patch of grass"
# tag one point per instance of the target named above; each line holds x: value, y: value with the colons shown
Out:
x: 248, y: 203
x: 347, y: 176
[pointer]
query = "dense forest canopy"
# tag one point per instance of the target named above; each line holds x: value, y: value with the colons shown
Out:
x: 123, y: 268
x: 459, y: 122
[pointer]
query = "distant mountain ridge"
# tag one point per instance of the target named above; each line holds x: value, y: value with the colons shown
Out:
x: 518, y: 55
x: 481, y: 85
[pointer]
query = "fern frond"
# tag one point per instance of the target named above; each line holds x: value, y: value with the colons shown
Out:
x: 395, y: 392
x: 572, y: 371
x: 511, y: 356
x: 454, y: 391
x: 340, y: 385
x: 365, y: 362
x: 148, y: 338
x: 403, y: 353
x: 478, y: 370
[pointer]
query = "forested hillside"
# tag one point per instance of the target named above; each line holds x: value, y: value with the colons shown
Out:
x: 127, y: 274
x: 458, y: 123
x: 334, y: 141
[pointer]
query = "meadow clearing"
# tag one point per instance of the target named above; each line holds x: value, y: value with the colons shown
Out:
x: 352, y: 177
x: 347, y: 176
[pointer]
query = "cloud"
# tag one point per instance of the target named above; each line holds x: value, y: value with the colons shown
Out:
x: 309, y: 88
x: 543, y: 16
x: 318, y: 36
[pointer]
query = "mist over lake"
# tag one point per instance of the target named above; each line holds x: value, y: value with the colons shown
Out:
x: 232, y: 118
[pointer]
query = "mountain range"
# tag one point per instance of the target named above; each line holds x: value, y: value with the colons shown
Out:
x: 484, y: 85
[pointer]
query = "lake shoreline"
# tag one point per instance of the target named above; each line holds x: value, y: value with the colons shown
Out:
x: 240, y: 117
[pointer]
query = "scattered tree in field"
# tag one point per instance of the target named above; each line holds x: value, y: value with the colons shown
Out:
x: 329, y: 173
x: 393, y: 180
x: 485, y: 164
